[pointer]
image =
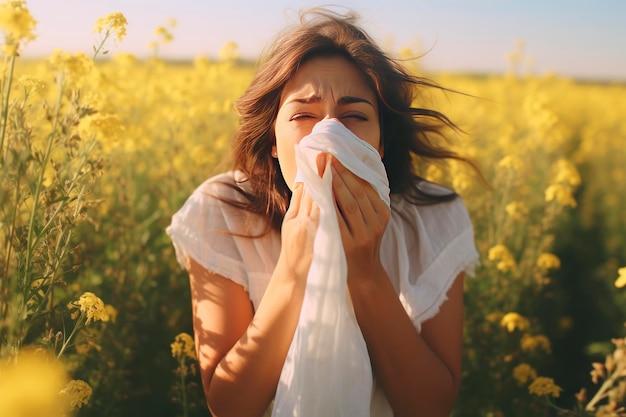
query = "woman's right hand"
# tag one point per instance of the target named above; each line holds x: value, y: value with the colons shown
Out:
x: 298, y: 233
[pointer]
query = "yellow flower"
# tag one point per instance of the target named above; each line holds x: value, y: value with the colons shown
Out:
x: 107, y: 128
x: 530, y: 343
x: 31, y: 84
x: 76, y: 67
x: 78, y: 393
x: 561, y: 193
x: 183, y: 347
x: 229, y: 52
x: 548, y: 261
x: 517, y: 210
x: 90, y: 305
x: 565, y: 173
x: 17, y: 24
x: 163, y: 33
x: 544, y: 386
x: 30, y: 385
x: 620, y: 282
x: 524, y: 373
x: 514, y: 321
x: 511, y: 162
x: 505, y: 259
x: 113, y: 23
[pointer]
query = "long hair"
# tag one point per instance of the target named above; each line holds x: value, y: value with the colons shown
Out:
x: 405, y: 130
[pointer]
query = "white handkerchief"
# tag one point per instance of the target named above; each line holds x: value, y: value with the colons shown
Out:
x: 327, y: 371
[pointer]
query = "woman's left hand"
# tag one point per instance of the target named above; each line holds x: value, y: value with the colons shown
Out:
x: 362, y: 217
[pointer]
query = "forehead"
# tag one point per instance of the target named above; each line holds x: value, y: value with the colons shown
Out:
x: 334, y: 75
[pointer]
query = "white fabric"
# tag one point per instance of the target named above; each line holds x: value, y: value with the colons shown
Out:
x: 438, y: 239
x: 327, y: 371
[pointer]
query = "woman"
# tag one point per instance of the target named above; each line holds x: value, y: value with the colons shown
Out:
x: 246, y: 236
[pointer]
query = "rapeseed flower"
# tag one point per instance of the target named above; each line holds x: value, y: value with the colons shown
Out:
x: 565, y: 173
x: 91, y: 306
x: 516, y: 210
x: 183, y: 347
x: 545, y: 386
x: 512, y: 162
x: 30, y: 385
x: 512, y: 321
x: 560, y: 193
x: 78, y: 393
x: 113, y: 23
x: 548, y: 261
x: 524, y: 373
x: 17, y: 24
x: 75, y: 67
x: 531, y: 343
x: 31, y: 84
x: 620, y: 282
x: 505, y: 259
x: 107, y: 128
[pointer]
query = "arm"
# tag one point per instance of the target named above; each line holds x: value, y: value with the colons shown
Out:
x: 419, y: 373
x: 241, y: 353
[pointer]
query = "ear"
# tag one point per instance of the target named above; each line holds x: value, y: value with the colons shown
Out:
x: 274, y: 151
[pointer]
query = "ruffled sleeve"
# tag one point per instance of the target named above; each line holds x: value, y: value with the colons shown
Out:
x: 203, y: 230
x: 439, y: 242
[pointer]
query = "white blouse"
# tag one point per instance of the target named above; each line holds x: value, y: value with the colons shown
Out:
x: 438, y: 238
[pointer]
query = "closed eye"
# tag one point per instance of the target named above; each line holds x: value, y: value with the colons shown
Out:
x: 357, y: 116
x: 301, y: 116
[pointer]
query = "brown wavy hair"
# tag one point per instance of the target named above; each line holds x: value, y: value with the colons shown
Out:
x: 406, y: 131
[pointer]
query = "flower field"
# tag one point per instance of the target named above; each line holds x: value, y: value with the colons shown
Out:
x: 97, y: 152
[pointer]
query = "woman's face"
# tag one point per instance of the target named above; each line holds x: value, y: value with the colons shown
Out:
x: 323, y: 88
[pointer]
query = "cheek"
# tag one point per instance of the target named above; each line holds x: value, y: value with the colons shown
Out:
x: 285, y: 140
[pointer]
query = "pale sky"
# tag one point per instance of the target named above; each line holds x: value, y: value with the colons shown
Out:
x: 570, y: 37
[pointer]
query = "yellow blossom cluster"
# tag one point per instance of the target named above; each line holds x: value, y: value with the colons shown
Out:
x: 31, y: 84
x: 531, y: 343
x: 548, y: 261
x: 113, y: 23
x: 620, y: 282
x: 78, y: 393
x: 17, y: 24
x: 512, y: 321
x: 183, y: 347
x: 504, y: 258
x: 107, y: 128
x: 517, y: 211
x: 523, y: 373
x: 564, y: 182
x: 30, y: 384
x: 91, y: 306
x: 544, y: 386
x: 74, y: 67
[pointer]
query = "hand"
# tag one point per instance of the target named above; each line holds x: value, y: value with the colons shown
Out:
x: 298, y: 233
x: 362, y: 217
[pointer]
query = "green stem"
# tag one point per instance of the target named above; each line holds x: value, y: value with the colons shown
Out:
x: 183, y: 387
x: 66, y: 342
x: 99, y: 48
x: 608, y: 383
x: 30, y: 248
x: 5, y: 104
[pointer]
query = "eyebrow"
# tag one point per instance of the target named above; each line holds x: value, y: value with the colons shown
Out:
x: 342, y: 100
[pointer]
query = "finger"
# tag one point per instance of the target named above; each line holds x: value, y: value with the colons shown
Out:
x: 362, y: 192
x: 294, y: 203
x: 321, y: 161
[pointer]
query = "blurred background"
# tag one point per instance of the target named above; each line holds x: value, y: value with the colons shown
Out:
x: 105, y: 133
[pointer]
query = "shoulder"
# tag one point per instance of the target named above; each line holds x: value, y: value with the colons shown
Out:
x: 440, y: 221
x: 226, y: 186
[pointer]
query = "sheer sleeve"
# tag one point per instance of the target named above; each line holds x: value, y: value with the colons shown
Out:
x: 203, y: 230
x: 439, y: 242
